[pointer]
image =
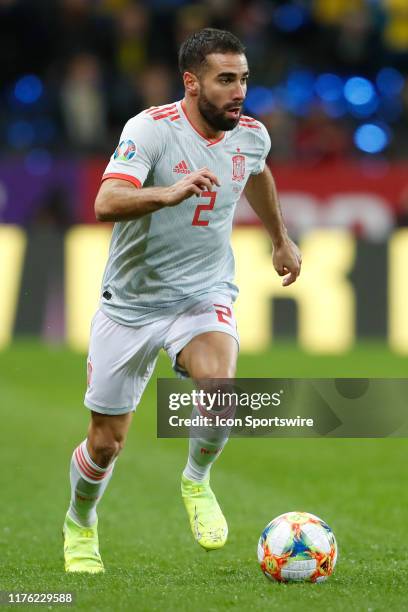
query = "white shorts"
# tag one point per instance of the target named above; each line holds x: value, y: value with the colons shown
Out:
x: 121, y: 359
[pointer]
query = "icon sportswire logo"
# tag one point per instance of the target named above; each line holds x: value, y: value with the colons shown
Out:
x: 181, y: 168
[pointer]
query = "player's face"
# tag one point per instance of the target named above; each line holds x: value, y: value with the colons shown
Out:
x: 223, y: 87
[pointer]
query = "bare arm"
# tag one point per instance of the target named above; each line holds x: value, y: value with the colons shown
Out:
x: 120, y: 200
x: 261, y: 193
x: 262, y: 196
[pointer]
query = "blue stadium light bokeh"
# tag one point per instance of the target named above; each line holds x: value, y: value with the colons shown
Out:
x: 390, y: 82
x: 28, y: 89
x: 329, y: 87
x: 371, y: 138
x: 365, y: 110
x: 299, y: 91
x: 20, y: 134
x: 358, y: 91
x: 259, y: 100
x: 289, y: 17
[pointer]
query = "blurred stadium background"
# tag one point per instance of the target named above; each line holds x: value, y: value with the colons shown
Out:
x: 329, y: 80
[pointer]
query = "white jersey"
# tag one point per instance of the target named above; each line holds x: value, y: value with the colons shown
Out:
x: 182, y: 252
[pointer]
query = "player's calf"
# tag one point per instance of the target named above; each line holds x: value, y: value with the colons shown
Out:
x: 91, y: 469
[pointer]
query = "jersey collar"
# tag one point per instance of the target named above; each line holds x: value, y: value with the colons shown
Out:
x: 208, y: 141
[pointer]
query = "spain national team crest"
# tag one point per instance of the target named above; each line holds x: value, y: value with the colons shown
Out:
x: 125, y: 151
x: 238, y: 167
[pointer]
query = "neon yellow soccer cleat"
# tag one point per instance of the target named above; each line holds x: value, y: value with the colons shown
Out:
x: 81, y: 548
x: 207, y: 521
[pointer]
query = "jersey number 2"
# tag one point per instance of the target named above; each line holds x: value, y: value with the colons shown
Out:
x: 200, y: 207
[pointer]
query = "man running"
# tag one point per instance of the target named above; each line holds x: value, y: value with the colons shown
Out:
x: 171, y: 188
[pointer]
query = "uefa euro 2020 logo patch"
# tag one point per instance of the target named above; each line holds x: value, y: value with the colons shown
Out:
x: 125, y: 151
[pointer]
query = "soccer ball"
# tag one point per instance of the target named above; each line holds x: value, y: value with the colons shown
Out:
x: 297, y: 546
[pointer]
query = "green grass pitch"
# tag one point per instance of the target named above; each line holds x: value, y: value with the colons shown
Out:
x: 358, y: 486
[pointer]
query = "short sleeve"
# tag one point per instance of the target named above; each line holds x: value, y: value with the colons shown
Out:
x: 137, y: 153
x: 259, y: 167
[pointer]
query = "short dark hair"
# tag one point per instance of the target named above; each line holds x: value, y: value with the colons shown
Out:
x: 193, y: 52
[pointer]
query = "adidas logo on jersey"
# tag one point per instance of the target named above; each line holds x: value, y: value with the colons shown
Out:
x: 181, y: 168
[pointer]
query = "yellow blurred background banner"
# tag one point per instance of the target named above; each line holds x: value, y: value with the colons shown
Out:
x: 328, y: 296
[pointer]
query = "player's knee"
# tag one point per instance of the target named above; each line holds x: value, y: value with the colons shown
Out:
x: 106, y: 452
x: 213, y: 370
x: 105, y: 448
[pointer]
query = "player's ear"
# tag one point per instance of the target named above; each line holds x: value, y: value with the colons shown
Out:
x: 191, y: 83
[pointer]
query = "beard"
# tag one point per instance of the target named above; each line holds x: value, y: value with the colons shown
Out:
x: 214, y: 116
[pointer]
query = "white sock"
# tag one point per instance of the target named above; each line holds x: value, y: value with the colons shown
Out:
x: 202, y: 454
x: 88, y: 483
x: 205, y: 445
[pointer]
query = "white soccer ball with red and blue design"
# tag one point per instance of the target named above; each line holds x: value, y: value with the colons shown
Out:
x: 297, y: 547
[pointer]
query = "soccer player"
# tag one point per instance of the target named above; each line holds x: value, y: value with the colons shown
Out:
x: 171, y: 188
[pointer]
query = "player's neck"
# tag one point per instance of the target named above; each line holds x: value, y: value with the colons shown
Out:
x: 198, y: 122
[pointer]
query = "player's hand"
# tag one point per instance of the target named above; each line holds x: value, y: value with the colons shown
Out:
x: 287, y: 261
x: 192, y: 184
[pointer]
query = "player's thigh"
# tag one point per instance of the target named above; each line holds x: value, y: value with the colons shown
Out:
x: 203, y: 341
x: 120, y: 362
x: 211, y: 354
